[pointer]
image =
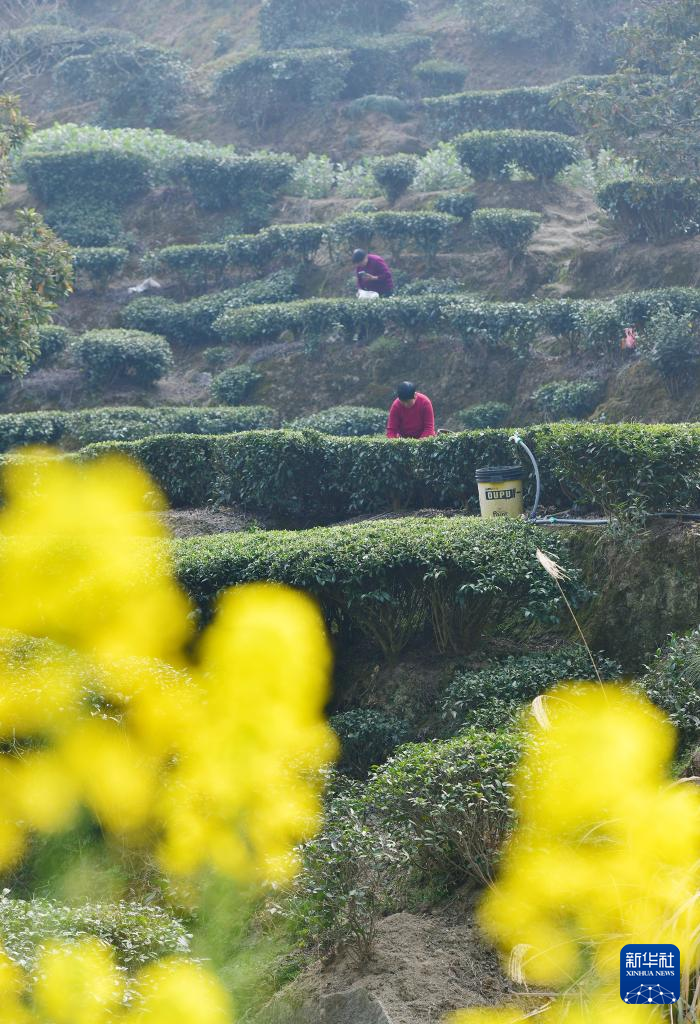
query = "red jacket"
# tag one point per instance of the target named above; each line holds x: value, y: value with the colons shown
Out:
x: 416, y: 421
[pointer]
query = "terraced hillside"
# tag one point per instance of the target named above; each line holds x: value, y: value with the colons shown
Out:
x: 202, y: 172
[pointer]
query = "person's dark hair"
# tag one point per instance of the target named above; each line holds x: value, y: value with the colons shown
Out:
x: 405, y: 391
x: 358, y: 255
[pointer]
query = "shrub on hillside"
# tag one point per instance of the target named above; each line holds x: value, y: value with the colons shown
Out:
x: 264, y: 87
x: 393, y: 107
x: 88, y: 224
x: 488, y: 154
x: 384, y: 65
x: 285, y: 21
x: 509, y: 683
x: 235, y: 384
x: 440, y: 170
x: 438, y: 77
x: 53, y: 341
x: 314, y: 177
x: 132, y: 81
x: 672, y: 682
x: 511, y: 230
x: 100, y: 264
x: 195, y: 266
x: 671, y: 342
x: 488, y: 414
x: 427, y: 231
x: 394, y: 174
x: 653, y: 210
x: 278, y: 242
x: 534, y: 108
x: 98, y: 174
x: 367, y: 738
x: 219, y: 183
x: 459, y: 204
x: 192, y: 322
x: 119, y: 356
x: 567, y: 399
x: 344, y: 421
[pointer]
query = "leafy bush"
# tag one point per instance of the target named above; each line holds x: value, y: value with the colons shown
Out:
x: 191, y: 322
x: 235, y: 384
x: 356, y: 181
x: 593, y: 173
x: 672, y: 682
x: 428, y: 231
x: 313, y: 178
x: 284, y: 21
x: 384, y: 64
x: 671, y: 342
x: 459, y: 204
x: 508, y: 683
x: 534, y: 108
x: 511, y: 230
x: 138, y: 933
x: 196, y: 266
x: 487, y: 154
x: 53, y: 341
x: 112, y: 356
x: 263, y: 87
x: 100, y: 264
x: 280, y: 241
x: 89, y: 224
x: 439, y: 76
x: 367, y: 738
x: 394, y: 174
x: 131, y: 81
x: 223, y: 182
x: 567, y: 399
x: 393, y: 107
x: 344, y: 421
x: 99, y: 174
x: 653, y: 210
x: 440, y: 169
x: 488, y: 414
x: 336, y: 477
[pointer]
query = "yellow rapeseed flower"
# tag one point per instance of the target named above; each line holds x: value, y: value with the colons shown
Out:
x: 77, y: 983
x: 606, y: 853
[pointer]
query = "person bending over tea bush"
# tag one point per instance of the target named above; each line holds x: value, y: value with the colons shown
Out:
x: 373, y: 274
x: 411, y: 415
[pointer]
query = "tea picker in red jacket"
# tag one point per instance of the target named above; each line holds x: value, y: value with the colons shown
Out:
x: 373, y: 274
x: 411, y: 415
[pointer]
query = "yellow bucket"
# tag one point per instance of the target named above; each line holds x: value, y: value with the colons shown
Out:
x: 500, y: 491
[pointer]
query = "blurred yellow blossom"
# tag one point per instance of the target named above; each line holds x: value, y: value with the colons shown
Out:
x: 212, y: 760
x: 606, y: 853
x: 77, y: 983
x: 176, y: 992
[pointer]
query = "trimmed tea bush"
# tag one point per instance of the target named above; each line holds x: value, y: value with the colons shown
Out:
x: 191, y: 322
x: 508, y: 683
x: 219, y: 183
x: 297, y: 21
x: 653, y: 210
x: 53, y: 341
x: 100, y: 264
x: 533, y: 108
x: 600, y: 465
x: 98, y: 173
x: 198, y: 266
x: 344, y: 421
x: 234, y: 384
x: 367, y: 738
x: 437, y: 77
x: 488, y: 414
x: 672, y: 682
x: 112, y: 356
x: 280, y: 241
x: 487, y: 154
x: 428, y: 231
x: 458, y: 204
x: 671, y: 343
x: 511, y: 230
x: 567, y: 399
x: 89, y: 224
x: 393, y: 107
x: 132, y: 81
x: 394, y: 174
x: 126, y: 423
x: 384, y: 65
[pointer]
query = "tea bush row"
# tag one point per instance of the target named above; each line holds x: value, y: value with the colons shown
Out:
x: 653, y: 211
x: 125, y: 423
x: 99, y: 263
x: 391, y: 583
x: 605, y: 467
x: 489, y: 154
x: 191, y: 322
x: 533, y: 108
x: 344, y: 421
x: 122, y: 357
x: 593, y: 324
x: 300, y: 21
